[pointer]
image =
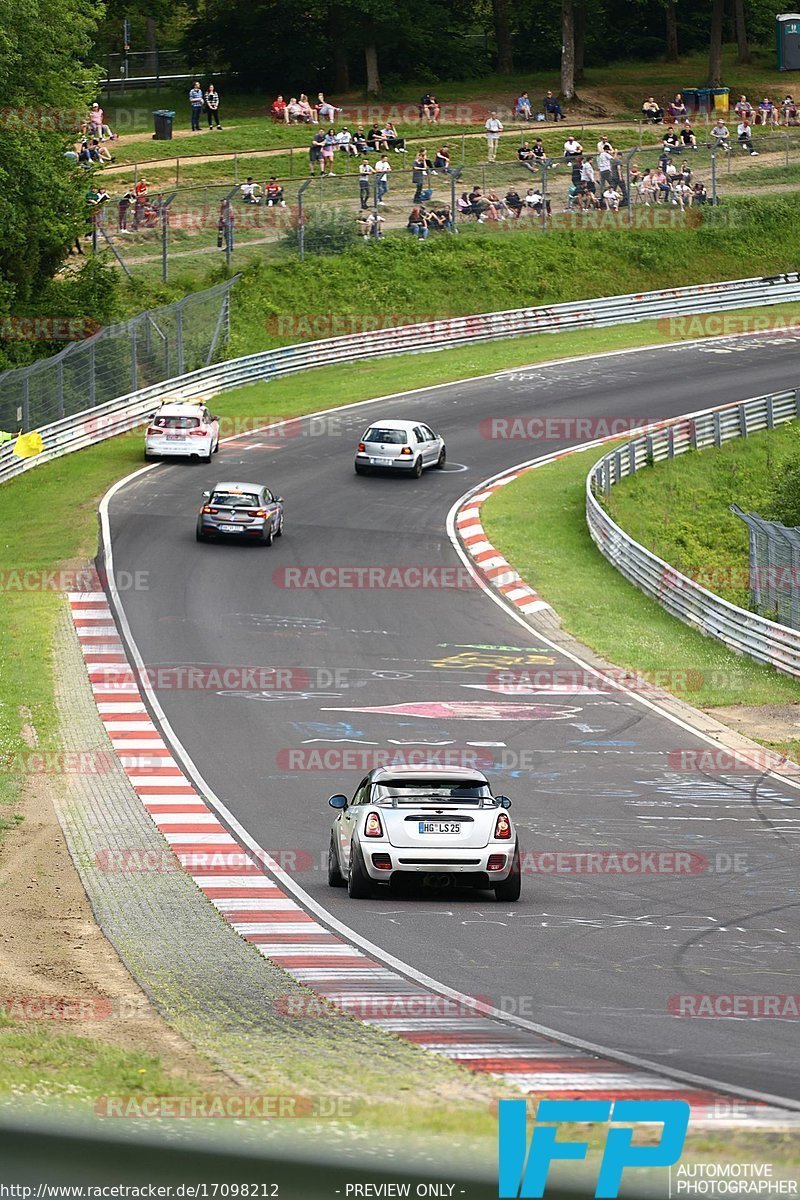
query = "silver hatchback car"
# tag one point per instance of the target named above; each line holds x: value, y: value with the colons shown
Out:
x: 245, y: 510
x: 407, y: 446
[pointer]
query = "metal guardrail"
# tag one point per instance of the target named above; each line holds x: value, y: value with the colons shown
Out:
x: 126, y: 412
x: 745, y: 632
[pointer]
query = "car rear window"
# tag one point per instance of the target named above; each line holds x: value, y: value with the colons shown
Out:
x: 176, y: 422
x: 235, y: 499
x: 392, y: 437
x: 455, y: 791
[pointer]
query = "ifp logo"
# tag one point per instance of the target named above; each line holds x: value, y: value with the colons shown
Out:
x: 523, y: 1170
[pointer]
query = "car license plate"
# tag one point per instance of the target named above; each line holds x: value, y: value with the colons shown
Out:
x: 379, y: 462
x: 440, y: 827
x: 229, y: 528
x: 175, y: 437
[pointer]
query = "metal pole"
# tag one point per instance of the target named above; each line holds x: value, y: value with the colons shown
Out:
x: 179, y: 337
x: 544, y: 196
x: 713, y: 174
x: 26, y: 403
x: 92, y: 375
x: 301, y: 235
x: 134, y: 365
x: 162, y: 212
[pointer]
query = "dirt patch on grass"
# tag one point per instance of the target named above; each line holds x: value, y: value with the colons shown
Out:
x: 771, y: 723
x: 52, y: 947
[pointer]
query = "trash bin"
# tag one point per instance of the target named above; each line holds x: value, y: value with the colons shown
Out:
x: 690, y: 99
x: 721, y: 99
x: 162, y: 120
x: 704, y: 100
x: 788, y: 37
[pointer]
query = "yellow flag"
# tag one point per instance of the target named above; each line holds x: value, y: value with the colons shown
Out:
x: 28, y: 445
x: 5, y: 437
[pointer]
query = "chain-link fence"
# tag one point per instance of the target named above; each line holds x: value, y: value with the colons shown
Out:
x: 150, y: 347
x: 774, y: 568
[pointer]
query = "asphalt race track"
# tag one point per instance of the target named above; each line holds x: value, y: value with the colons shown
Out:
x: 595, y: 956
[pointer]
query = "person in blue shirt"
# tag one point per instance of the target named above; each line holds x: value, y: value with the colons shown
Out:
x: 196, y: 102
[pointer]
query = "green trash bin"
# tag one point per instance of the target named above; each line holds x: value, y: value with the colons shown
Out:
x: 704, y: 101
x: 162, y: 120
x: 690, y: 99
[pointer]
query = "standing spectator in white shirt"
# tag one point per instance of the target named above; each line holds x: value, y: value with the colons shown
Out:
x: 587, y: 175
x: 494, y: 127
x: 382, y: 169
x: 364, y: 185
x: 604, y: 167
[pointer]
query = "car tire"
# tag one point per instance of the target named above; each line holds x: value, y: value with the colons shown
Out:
x: 216, y: 447
x: 442, y: 459
x: 206, y: 458
x: 267, y: 535
x: 509, y: 890
x: 359, y: 884
x: 279, y: 530
x: 416, y: 470
x: 335, y: 876
x: 200, y: 536
x: 361, y: 469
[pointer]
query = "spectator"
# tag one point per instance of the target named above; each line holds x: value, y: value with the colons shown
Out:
x: 648, y: 192
x: 344, y: 142
x: 745, y: 139
x: 429, y: 108
x: 699, y: 193
x: 315, y: 152
x: 671, y: 141
x: 442, y: 160
x: 371, y: 225
x: 418, y: 222
x: 611, y: 198
x: 497, y: 204
x: 618, y: 176
x: 325, y: 110
x: 660, y: 182
x: 604, y: 144
x: 604, y: 167
x: 721, y: 135
x: 375, y: 139
x: 364, y: 184
x: 360, y: 141
x: 552, y: 108
x: 273, y: 194
x: 585, y: 197
x: 522, y: 108
x: 688, y: 136
x: 670, y: 170
x: 677, y: 109
x: 686, y: 172
x: 539, y: 152
x: 535, y: 201
x: 211, y: 99
x: 307, y: 113
x: 513, y: 202
x: 98, y: 124
x: 382, y: 169
x: 572, y: 147
x: 393, y: 139
x: 99, y: 153
x: 525, y: 155
x: 587, y: 175
x: 789, y: 110
x: 767, y: 112
x: 328, y: 150
x: 279, y: 110
x: 250, y: 191
x: 653, y: 113
x: 577, y: 167
x: 681, y: 194
x: 441, y: 219
x: 419, y: 175
x: 480, y: 205
x: 743, y: 108
x: 494, y: 127
x: 465, y: 206
x: 294, y: 111
x: 123, y: 208
x: 196, y: 104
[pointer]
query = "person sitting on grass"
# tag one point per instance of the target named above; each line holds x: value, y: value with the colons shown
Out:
x: 653, y: 112
x: 789, y: 110
x: 611, y: 198
x: 721, y: 136
x: 273, y: 194
x: 360, y: 141
x: 767, y: 112
x: 440, y: 220
x: 465, y: 206
x: 552, y: 108
x: 677, y: 109
x: 688, y: 136
x: 585, y: 198
x: 279, y: 111
x: 375, y: 139
x: 429, y: 108
x: 535, y: 201
x: 418, y: 222
x: 699, y: 193
x: 660, y: 182
x: 480, y: 205
x: 539, y: 152
x: 344, y: 142
x: 671, y: 141
x: 250, y: 191
x: 307, y: 113
x: 572, y: 147
x: 498, y: 204
x: 393, y: 139
x: 294, y: 111
x: 744, y: 135
x: 370, y: 223
x: 442, y: 160
x: 525, y: 155
x: 325, y: 110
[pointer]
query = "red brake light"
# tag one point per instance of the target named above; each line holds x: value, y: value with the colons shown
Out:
x: 256, y: 512
x: 197, y: 433
x: 372, y: 826
x: 502, y: 828
x: 152, y: 430
x: 406, y: 450
x: 208, y: 509
x: 496, y: 862
x: 361, y: 447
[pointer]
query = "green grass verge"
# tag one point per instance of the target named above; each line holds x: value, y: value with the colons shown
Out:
x: 538, y: 523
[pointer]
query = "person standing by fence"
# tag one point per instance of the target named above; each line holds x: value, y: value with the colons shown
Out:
x: 494, y: 127
x: 196, y: 102
x: 211, y: 100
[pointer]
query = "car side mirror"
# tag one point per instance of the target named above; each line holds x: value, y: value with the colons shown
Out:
x: 503, y: 801
x: 338, y: 801
x: 206, y: 495
x: 215, y: 417
x: 279, y: 499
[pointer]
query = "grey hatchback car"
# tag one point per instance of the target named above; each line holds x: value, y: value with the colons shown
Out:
x: 245, y: 510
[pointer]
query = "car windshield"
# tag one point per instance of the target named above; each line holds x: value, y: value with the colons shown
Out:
x: 394, y: 437
x: 451, y: 791
x: 176, y: 422
x: 235, y: 499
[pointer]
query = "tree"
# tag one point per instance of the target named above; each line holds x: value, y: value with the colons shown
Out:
x: 715, y: 44
x: 567, y: 50
x: 670, y: 31
x: 502, y: 33
x: 743, y: 52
